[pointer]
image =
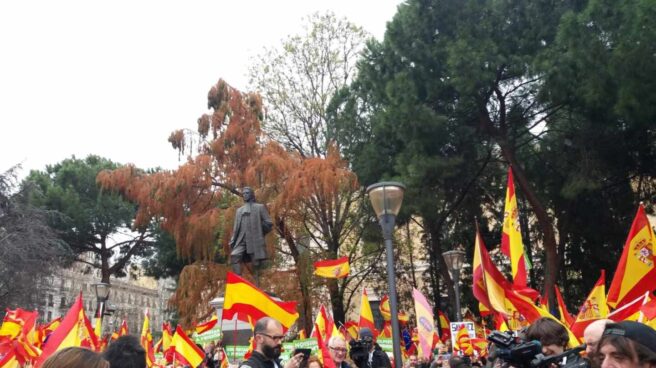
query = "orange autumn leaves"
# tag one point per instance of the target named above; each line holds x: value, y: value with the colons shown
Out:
x: 196, y: 202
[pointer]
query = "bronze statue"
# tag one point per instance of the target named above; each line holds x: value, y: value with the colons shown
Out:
x: 252, y: 223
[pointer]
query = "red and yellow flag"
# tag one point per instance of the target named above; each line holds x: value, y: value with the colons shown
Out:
x: 511, y: 239
x: 463, y: 341
x: 323, y: 325
x: 147, y: 341
x: 630, y: 311
x: 332, y: 268
x: 184, y: 350
x: 123, y: 330
x: 351, y: 328
x: 594, y: 307
x: 636, y: 272
x: 18, y: 331
x: 385, y: 309
x: 565, y: 317
x: 43, y: 331
x: 74, y: 330
x: 206, y: 326
x: 366, y: 316
x: 445, y: 325
x: 250, y: 303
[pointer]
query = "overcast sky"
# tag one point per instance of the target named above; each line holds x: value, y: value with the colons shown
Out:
x: 115, y: 78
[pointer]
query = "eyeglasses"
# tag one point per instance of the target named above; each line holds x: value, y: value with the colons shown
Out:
x: 274, y: 338
x: 339, y: 350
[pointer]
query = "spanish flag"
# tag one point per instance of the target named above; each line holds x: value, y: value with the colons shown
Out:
x: 366, y: 317
x: 511, y: 239
x: 323, y: 325
x: 630, y: 311
x: 445, y: 325
x: 463, y: 341
x: 594, y: 307
x: 332, y: 268
x: 565, y: 317
x: 184, y: 350
x: 147, y: 341
x: 636, y: 272
x: 385, y: 309
x: 18, y: 330
x: 206, y: 326
x: 74, y: 330
x: 250, y: 303
x: 123, y: 330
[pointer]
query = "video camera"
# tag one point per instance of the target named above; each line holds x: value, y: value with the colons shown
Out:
x: 528, y: 354
x: 359, y: 351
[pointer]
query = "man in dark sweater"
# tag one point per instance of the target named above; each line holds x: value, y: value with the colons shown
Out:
x: 268, y: 343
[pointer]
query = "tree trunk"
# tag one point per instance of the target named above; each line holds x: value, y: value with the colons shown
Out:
x: 336, y: 301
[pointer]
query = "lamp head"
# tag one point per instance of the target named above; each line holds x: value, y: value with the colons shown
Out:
x: 102, y: 290
x: 454, y: 259
x: 386, y: 197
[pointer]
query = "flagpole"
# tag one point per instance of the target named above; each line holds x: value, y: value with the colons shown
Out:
x: 234, y: 339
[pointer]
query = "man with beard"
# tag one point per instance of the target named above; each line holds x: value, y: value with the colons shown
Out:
x: 268, y: 336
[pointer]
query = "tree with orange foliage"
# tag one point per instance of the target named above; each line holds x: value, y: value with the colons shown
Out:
x: 196, y: 203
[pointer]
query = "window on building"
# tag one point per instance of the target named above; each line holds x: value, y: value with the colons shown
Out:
x: 62, y: 302
x: 49, y: 316
x: 50, y: 300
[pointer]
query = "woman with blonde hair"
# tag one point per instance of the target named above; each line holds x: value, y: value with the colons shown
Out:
x: 75, y: 357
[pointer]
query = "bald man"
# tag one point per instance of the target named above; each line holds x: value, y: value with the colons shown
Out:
x: 592, y: 335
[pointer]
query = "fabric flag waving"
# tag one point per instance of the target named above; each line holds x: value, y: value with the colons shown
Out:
x: 385, y: 309
x: 594, y: 307
x: 366, y: 316
x: 147, y: 341
x: 186, y: 351
x: 206, y: 326
x: 250, y: 303
x: 511, y: 239
x: 123, y: 330
x: 635, y: 273
x: 463, y: 341
x: 323, y: 325
x: 19, y: 334
x: 445, y: 326
x: 425, y: 323
x: 332, y: 268
x: 74, y: 330
x: 566, y: 318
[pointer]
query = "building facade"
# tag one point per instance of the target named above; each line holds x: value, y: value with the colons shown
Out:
x: 128, y: 299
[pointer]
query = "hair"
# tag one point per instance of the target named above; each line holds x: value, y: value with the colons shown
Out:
x: 126, y: 352
x: 334, y: 338
x: 262, y: 325
x: 75, y: 357
x: 628, y: 348
x: 314, y: 359
x: 459, y: 362
x: 548, y: 332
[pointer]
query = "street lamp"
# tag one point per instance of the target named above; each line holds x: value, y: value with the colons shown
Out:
x: 386, y: 199
x: 454, y: 260
x: 102, y: 294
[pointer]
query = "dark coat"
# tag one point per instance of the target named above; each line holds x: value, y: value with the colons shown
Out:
x: 252, y: 223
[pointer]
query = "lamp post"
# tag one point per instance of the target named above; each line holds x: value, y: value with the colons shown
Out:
x: 386, y: 199
x: 454, y: 260
x: 102, y: 294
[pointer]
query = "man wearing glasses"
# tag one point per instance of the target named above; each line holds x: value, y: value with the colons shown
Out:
x: 268, y: 343
x: 337, y: 350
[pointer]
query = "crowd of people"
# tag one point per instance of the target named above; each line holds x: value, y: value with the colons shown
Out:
x: 626, y: 344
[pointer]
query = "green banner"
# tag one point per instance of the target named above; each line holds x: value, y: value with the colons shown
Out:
x: 386, y: 344
x: 207, y: 336
x: 236, y: 353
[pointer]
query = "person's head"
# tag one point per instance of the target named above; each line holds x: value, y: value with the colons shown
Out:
x: 367, y: 336
x: 268, y: 337
x: 337, y: 349
x: 412, y: 361
x: 592, y: 335
x: 552, y: 335
x: 248, y: 194
x: 314, y: 362
x: 627, y: 344
x: 126, y: 352
x: 459, y: 362
x: 75, y: 357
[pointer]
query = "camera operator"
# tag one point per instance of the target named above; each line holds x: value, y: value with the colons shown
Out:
x: 552, y: 336
x: 365, y: 353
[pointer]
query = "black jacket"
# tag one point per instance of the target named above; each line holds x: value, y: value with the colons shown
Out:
x: 258, y: 360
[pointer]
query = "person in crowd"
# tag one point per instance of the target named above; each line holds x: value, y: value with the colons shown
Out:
x: 627, y: 344
x: 551, y: 334
x: 126, y: 352
x: 591, y: 336
x: 337, y: 351
x: 412, y: 362
x: 267, y: 335
x: 75, y: 357
x: 375, y: 357
x: 459, y: 362
x: 314, y: 362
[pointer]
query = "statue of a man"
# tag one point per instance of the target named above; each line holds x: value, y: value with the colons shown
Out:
x: 252, y: 223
